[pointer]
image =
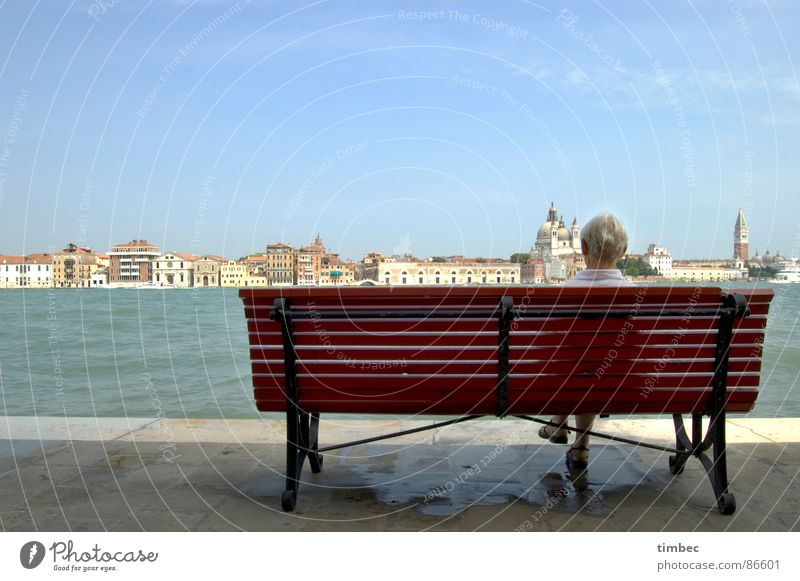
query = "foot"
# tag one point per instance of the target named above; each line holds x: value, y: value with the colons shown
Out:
x: 578, y: 464
x: 557, y: 435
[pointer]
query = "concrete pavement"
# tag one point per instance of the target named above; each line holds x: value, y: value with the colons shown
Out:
x: 131, y: 474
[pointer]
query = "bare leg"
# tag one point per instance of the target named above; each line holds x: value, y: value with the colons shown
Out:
x: 583, y: 422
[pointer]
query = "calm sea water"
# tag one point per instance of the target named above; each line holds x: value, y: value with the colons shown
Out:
x: 184, y: 353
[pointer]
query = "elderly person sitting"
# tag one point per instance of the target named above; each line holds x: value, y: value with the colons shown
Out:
x: 603, y: 242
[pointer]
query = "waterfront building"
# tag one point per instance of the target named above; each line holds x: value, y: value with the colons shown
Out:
x: 103, y: 260
x: 706, y: 273
x: 256, y: 279
x: 233, y: 273
x: 367, y: 269
x: 336, y: 272
x: 775, y: 261
x: 130, y: 264
x: 741, y: 251
x: 73, y: 267
x: 532, y: 271
x: 207, y: 270
x: 174, y: 269
x: 37, y: 271
x: 309, y: 262
x: 279, y: 266
x: 31, y: 271
x: 99, y: 278
x: 10, y: 271
x: 558, y: 247
x: 659, y: 258
x: 457, y: 270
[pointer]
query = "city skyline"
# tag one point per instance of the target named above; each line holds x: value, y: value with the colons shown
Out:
x: 213, y: 128
x: 404, y: 249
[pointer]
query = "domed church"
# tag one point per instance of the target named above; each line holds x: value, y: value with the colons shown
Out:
x: 558, y: 247
x: 555, y: 239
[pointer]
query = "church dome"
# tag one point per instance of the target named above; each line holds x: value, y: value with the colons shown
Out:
x: 544, y: 231
x: 564, y: 234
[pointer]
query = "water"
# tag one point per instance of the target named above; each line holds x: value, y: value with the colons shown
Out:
x: 120, y: 352
x: 184, y: 353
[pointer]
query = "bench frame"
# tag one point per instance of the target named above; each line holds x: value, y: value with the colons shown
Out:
x: 302, y: 440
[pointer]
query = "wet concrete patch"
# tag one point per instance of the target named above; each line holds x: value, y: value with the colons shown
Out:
x: 446, y: 480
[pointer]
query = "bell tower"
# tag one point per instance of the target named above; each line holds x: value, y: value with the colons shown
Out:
x: 740, y: 238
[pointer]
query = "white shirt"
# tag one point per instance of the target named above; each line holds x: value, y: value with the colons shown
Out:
x: 608, y: 277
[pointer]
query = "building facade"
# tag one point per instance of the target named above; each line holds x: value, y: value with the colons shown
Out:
x: 207, y: 271
x: 558, y: 247
x: 233, y: 273
x: 31, y: 271
x: 465, y: 271
x: 659, y: 258
x: 308, y: 266
x: 706, y: 273
x: 130, y: 264
x: 73, y: 267
x: 99, y: 278
x: 367, y: 269
x: 256, y: 279
x: 10, y: 271
x: 336, y: 272
x: 279, y: 266
x: 174, y: 269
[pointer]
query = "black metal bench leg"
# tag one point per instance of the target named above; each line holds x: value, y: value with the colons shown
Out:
x: 314, y: 457
x: 678, y: 461
x: 301, y: 443
x: 717, y: 469
x: 295, y: 456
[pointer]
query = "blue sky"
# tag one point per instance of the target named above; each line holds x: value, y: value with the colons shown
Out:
x: 434, y: 128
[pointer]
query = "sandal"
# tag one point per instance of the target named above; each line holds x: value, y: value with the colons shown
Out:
x: 577, y: 465
x: 557, y: 435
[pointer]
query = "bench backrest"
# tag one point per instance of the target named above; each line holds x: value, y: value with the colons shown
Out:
x: 487, y: 350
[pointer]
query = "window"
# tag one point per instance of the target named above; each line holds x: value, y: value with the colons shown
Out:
x: 404, y: 279
x: 453, y: 277
x: 512, y: 280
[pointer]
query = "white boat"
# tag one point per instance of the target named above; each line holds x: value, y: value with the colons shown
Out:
x: 149, y: 285
x: 787, y: 275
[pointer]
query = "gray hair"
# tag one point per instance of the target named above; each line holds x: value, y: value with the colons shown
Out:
x: 605, y: 237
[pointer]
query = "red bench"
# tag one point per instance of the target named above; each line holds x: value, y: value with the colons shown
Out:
x: 507, y: 351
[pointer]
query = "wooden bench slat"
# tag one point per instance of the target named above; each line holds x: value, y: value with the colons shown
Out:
x: 567, y: 353
x: 431, y: 367
x: 369, y: 384
x: 391, y: 327
x: 489, y: 338
x: 683, y: 402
